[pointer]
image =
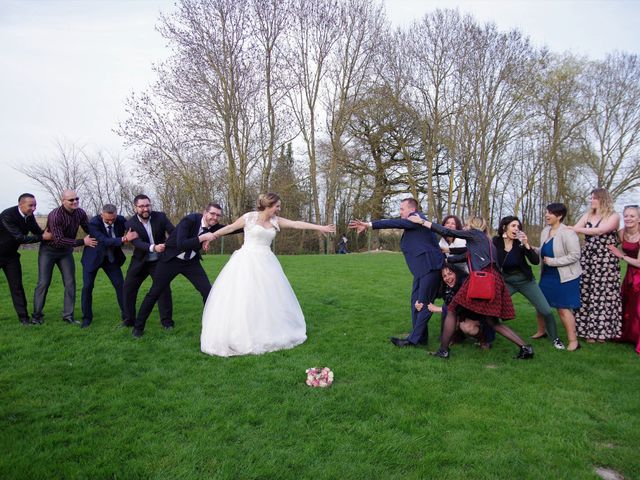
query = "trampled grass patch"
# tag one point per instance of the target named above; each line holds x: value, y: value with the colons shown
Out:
x: 95, y: 403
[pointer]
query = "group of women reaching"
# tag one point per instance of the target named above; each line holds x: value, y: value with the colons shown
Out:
x: 252, y: 308
x: 582, y: 283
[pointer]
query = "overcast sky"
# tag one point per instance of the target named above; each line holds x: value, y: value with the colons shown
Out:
x: 66, y: 67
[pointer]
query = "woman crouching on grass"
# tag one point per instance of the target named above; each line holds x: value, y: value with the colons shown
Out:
x: 453, y: 277
x: 482, y: 256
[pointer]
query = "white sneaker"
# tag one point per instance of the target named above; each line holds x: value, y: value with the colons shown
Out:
x: 557, y: 344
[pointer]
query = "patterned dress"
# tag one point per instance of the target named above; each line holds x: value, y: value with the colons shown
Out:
x: 600, y: 317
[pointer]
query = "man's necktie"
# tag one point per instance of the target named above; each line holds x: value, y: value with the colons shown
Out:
x: 110, y: 254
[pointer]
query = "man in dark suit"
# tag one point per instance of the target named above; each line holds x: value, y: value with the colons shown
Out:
x: 152, y: 229
x: 424, y: 259
x: 182, y: 257
x: 108, y: 229
x: 16, y: 223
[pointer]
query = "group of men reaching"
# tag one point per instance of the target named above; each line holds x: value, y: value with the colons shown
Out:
x: 160, y: 251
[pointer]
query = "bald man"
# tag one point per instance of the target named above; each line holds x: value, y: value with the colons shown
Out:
x: 63, y: 223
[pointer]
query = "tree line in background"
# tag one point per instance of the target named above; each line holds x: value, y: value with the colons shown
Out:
x: 325, y: 103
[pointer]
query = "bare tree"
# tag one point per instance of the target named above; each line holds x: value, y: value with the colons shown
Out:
x: 66, y: 168
x: 615, y: 126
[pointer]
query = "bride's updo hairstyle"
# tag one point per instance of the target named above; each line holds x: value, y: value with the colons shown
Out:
x: 266, y: 200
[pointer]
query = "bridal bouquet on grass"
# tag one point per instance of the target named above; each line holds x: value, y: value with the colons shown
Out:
x: 319, y: 377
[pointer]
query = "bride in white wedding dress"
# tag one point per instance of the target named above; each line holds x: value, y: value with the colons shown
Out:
x: 252, y: 308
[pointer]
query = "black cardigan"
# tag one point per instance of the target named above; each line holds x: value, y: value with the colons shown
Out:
x: 521, y: 253
x: 478, y: 245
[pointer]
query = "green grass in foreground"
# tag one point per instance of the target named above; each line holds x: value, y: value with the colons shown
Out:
x: 96, y: 403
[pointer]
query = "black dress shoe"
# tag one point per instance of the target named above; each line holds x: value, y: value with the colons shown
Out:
x: 441, y: 353
x: 401, y: 342
x: 126, y: 324
x: 525, y: 353
x: 37, y: 321
x: 137, y: 333
x: 85, y: 324
x: 25, y: 321
x: 168, y: 327
x: 71, y: 321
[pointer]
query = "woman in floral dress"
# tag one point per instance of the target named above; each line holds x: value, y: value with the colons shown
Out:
x: 600, y: 316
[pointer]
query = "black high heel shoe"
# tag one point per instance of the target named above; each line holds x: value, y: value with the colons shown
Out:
x: 577, y: 348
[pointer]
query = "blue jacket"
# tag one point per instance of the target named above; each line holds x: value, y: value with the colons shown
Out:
x: 418, y: 244
x: 92, y: 258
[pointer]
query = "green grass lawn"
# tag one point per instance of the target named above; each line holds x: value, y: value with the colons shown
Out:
x: 95, y: 403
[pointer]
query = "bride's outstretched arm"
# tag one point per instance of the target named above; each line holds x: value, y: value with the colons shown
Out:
x: 237, y: 225
x: 300, y: 225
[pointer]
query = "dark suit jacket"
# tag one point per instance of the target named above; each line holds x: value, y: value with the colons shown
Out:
x: 92, y: 258
x: 161, y: 226
x: 14, y: 230
x: 185, y: 237
x: 419, y: 245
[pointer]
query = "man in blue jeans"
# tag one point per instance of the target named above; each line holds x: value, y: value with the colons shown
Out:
x: 63, y: 223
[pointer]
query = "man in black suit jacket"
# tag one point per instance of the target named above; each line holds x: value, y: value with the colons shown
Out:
x: 15, y: 225
x: 108, y: 229
x: 152, y: 229
x: 182, y: 257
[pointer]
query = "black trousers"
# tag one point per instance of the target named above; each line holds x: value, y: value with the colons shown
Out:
x: 165, y: 273
x: 13, y: 271
x: 137, y: 273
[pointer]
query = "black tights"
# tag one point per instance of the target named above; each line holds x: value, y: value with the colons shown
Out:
x: 501, y: 328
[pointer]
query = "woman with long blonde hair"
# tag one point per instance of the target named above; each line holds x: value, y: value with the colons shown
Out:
x: 600, y: 316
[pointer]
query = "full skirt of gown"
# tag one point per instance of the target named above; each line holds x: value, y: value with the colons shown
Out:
x: 251, y: 308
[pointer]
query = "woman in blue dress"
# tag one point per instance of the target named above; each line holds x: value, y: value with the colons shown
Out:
x: 561, y: 270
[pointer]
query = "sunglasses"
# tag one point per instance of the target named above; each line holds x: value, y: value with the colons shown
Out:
x: 72, y: 199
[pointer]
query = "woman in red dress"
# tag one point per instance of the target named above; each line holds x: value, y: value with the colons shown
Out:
x: 630, y: 240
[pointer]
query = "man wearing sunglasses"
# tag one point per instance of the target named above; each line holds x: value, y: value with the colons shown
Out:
x: 182, y: 257
x: 63, y: 223
x: 152, y: 228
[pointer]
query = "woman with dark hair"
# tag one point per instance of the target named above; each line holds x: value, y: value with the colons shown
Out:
x: 452, y: 245
x: 453, y: 277
x: 561, y: 270
x: 514, y: 255
x: 252, y: 308
x: 630, y: 240
x: 482, y: 257
x: 600, y: 316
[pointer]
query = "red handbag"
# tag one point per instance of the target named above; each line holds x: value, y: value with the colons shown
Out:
x: 482, y: 285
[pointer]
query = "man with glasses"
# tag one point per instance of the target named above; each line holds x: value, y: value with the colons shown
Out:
x: 182, y: 257
x: 63, y: 223
x: 18, y: 226
x: 152, y: 228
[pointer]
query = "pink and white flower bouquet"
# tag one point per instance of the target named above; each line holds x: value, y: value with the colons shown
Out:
x: 319, y: 377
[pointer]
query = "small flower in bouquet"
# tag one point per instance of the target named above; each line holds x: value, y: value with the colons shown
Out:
x: 319, y: 377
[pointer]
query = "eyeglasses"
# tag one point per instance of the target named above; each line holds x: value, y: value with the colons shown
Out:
x: 72, y: 199
x: 145, y: 206
x: 215, y: 214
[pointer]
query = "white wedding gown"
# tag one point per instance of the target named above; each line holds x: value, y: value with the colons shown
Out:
x: 252, y: 308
